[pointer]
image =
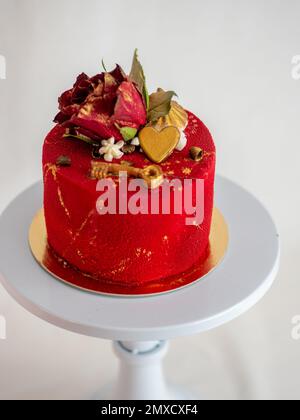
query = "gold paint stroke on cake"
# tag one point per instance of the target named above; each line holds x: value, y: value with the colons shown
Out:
x: 50, y: 168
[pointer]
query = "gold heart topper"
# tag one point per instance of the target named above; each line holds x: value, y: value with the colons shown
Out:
x: 158, y: 145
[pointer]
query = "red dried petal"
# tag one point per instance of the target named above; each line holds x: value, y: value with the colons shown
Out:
x: 119, y: 74
x: 130, y: 107
x: 102, y: 105
x: 60, y: 118
x: 81, y: 88
x: 65, y: 99
x: 104, y: 129
x: 110, y: 84
x: 85, y: 132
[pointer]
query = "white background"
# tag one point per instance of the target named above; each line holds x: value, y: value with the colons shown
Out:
x: 231, y: 63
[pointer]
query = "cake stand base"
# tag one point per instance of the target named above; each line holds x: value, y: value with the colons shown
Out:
x: 140, y: 375
x: 138, y: 325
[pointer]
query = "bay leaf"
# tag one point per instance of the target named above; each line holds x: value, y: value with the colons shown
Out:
x: 137, y: 76
x: 160, y: 104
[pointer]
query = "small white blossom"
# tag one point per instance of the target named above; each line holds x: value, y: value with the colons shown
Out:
x: 182, y: 142
x: 135, y: 141
x: 111, y: 150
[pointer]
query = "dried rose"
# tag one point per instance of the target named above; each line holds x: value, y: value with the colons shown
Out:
x: 70, y: 101
x: 103, y: 105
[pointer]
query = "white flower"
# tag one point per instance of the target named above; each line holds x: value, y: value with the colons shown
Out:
x: 182, y: 142
x: 135, y: 141
x: 111, y: 150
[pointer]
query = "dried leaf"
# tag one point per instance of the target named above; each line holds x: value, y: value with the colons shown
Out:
x: 160, y: 104
x: 80, y: 137
x: 137, y: 76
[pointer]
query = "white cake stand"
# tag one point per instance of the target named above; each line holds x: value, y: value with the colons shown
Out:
x: 139, y: 326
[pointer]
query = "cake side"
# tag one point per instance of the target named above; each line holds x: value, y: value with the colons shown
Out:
x: 122, y: 249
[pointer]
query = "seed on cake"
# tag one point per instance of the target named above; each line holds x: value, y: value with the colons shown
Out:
x: 128, y: 149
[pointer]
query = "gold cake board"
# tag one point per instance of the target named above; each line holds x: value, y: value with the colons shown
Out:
x: 61, y: 270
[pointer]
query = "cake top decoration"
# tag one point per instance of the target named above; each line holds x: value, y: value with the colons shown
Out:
x: 114, y: 113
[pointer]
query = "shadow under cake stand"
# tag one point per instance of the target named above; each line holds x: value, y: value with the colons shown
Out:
x: 140, y: 326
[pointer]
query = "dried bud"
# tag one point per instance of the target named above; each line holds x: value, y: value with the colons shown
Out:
x: 196, y: 153
x: 128, y: 149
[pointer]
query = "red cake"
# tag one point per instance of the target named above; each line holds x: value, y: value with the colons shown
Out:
x: 108, y: 120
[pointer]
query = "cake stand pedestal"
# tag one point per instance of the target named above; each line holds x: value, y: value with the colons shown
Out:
x: 139, y: 325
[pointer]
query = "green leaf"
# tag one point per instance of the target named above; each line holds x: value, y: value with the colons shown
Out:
x: 128, y: 133
x: 103, y: 65
x: 137, y: 76
x: 146, y: 97
x: 160, y: 104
